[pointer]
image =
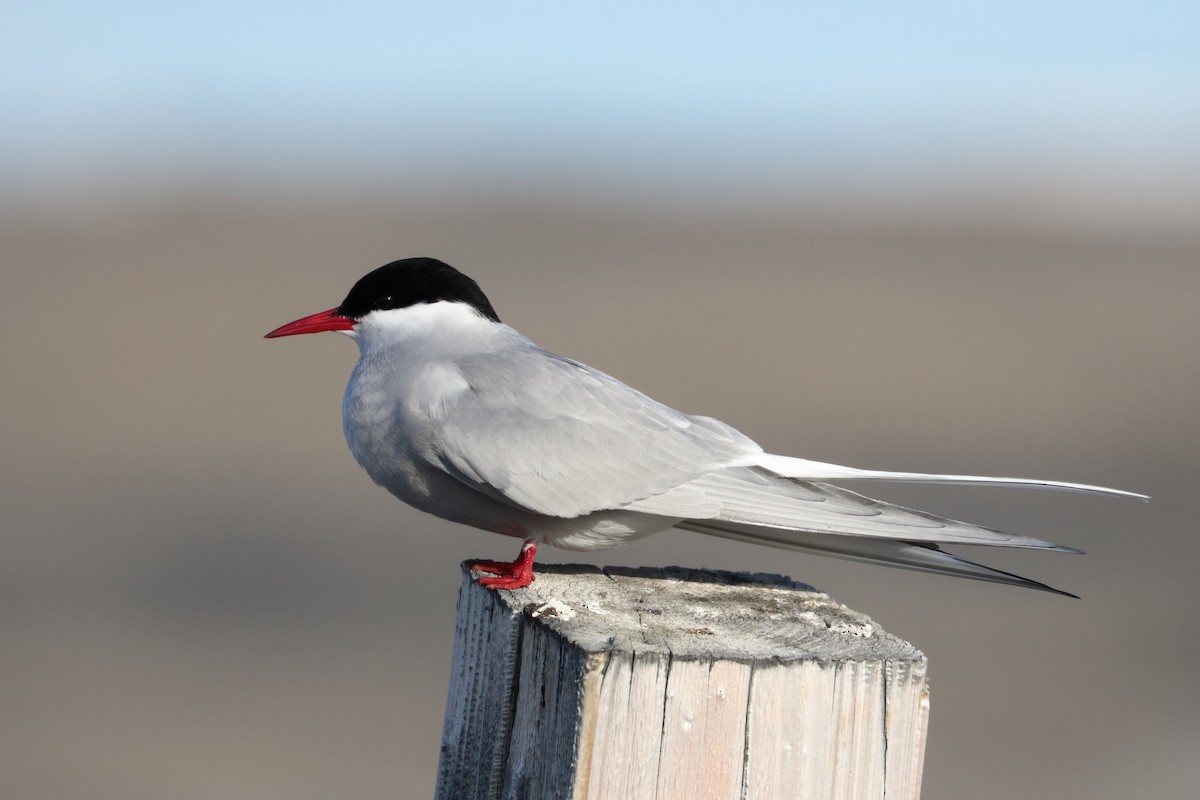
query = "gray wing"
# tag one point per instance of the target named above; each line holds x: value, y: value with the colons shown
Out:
x: 545, y: 433
x: 758, y: 497
x: 554, y: 436
x: 886, y: 552
x: 758, y: 506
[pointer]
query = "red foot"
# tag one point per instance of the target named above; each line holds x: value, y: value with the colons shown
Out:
x: 515, y: 575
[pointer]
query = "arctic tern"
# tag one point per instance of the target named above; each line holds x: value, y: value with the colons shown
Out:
x: 461, y: 416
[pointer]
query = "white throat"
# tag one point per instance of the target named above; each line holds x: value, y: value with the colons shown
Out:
x: 445, y: 320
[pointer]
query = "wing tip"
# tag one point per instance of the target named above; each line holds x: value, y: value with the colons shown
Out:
x: 1043, y: 587
x: 993, y: 575
x: 1038, y: 585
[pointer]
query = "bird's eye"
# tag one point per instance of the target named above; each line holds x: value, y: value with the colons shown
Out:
x: 386, y: 302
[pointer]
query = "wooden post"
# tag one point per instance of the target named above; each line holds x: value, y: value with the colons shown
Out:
x: 674, y: 684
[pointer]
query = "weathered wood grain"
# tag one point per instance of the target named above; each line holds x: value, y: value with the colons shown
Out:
x: 669, y: 684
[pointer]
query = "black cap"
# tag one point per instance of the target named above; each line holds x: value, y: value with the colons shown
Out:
x: 409, y: 282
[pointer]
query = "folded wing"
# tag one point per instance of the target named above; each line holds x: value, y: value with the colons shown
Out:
x: 553, y: 436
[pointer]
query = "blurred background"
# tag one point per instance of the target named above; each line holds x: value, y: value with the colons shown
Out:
x: 922, y: 237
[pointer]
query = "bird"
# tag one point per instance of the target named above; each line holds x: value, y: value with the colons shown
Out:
x: 457, y: 414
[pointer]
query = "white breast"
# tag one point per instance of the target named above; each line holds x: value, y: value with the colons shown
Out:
x: 405, y: 379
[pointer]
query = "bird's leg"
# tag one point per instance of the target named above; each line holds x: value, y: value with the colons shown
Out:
x: 514, y: 575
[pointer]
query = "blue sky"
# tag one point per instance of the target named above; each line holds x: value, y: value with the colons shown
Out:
x: 766, y: 90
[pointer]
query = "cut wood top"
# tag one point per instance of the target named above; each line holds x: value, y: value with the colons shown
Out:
x: 700, y: 614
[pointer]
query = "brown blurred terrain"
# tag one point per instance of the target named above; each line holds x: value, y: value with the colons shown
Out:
x: 201, y: 595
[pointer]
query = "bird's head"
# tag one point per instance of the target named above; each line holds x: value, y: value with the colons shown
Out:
x: 398, y: 285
